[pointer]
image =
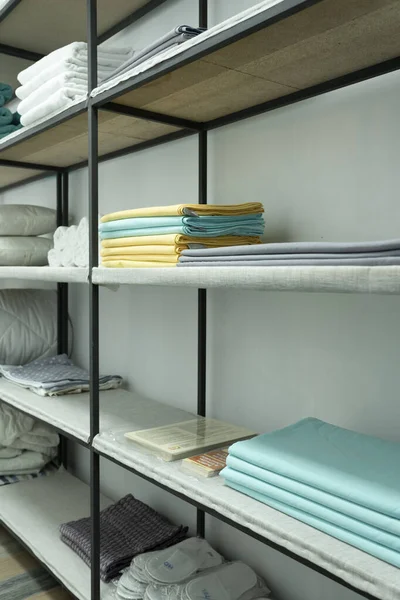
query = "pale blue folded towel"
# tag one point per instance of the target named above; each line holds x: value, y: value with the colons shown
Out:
x: 315, y: 509
x: 358, y: 468
x: 356, y: 511
x: 213, y: 226
x: 381, y: 552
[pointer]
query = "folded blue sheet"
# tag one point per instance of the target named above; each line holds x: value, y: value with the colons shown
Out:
x: 330, y: 501
x: 313, y: 508
x: 358, y: 468
x: 357, y: 541
x: 214, y: 226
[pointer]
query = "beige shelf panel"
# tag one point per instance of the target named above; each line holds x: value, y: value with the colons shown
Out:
x: 10, y: 175
x: 66, y: 144
x: 327, y: 40
x: 65, y: 22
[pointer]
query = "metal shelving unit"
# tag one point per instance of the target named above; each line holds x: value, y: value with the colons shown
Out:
x: 295, y: 49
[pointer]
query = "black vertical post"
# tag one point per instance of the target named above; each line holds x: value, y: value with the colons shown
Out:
x: 202, y: 294
x: 93, y: 301
x: 62, y: 291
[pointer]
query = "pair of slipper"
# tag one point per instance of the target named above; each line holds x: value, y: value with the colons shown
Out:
x: 190, y: 570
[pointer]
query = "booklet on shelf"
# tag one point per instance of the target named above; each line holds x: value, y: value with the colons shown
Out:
x: 173, y: 442
x: 208, y: 464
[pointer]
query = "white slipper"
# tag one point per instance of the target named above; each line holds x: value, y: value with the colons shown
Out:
x: 232, y: 581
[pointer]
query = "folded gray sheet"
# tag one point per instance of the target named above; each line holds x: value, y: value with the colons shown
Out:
x: 389, y: 247
x: 302, y: 262
x: 176, y: 36
x: 293, y: 257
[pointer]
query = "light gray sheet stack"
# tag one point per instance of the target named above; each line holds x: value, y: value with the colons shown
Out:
x: 385, y: 252
x: 177, y: 36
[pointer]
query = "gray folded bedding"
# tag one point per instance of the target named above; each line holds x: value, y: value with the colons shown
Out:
x: 176, y: 36
x: 388, y: 247
x: 293, y: 257
x: 289, y: 262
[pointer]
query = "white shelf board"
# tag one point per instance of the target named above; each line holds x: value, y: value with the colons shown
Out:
x: 57, y: 274
x: 357, y: 568
x: 34, y: 510
x: 378, y: 280
x: 70, y: 413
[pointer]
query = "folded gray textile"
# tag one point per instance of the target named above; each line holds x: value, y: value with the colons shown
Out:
x: 128, y: 528
x: 303, y: 262
x: 180, y: 34
x: 390, y: 247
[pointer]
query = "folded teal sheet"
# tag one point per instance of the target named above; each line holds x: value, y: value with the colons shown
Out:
x: 330, y: 501
x: 364, y: 544
x: 319, y: 511
x: 358, y: 468
x: 6, y: 116
x: 196, y: 226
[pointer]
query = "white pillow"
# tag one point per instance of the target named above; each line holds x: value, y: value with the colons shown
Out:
x: 28, y: 325
x: 24, y: 251
x: 25, y: 219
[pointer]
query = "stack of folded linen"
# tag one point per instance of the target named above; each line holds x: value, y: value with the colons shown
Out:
x: 21, y: 226
x: 55, y: 376
x: 26, y: 446
x: 175, y: 37
x: 128, y: 527
x: 71, y: 246
x: 385, y: 252
x: 9, y: 122
x: 60, y: 78
x: 155, y: 237
x: 343, y: 483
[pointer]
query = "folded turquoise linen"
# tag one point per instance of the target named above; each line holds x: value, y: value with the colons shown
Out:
x: 313, y: 508
x: 356, y: 511
x: 358, y: 468
x: 195, y: 226
x: 6, y: 93
x: 381, y: 552
x: 202, y: 222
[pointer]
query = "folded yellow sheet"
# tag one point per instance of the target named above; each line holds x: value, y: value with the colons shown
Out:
x: 164, y: 258
x: 135, y: 264
x: 180, y: 242
x: 140, y: 250
x: 249, y: 208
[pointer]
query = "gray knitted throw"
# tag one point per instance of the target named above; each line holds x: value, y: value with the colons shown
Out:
x: 128, y: 528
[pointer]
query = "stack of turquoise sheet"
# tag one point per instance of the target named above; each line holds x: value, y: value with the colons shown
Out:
x: 9, y: 121
x: 341, y: 482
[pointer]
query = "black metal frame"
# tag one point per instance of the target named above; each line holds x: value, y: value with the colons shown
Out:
x: 186, y: 128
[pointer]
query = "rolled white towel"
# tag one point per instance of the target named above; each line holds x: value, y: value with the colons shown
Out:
x: 60, y: 237
x: 69, y: 247
x: 54, y: 257
x: 81, y: 251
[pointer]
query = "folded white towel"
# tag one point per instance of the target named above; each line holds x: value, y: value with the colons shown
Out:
x: 55, y: 103
x: 76, y: 52
x: 41, y: 438
x: 25, y: 463
x: 71, y: 246
x: 75, y: 87
x: 66, y: 67
x: 59, y: 237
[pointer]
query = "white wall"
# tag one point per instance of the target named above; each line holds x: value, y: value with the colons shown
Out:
x: 324, y: 169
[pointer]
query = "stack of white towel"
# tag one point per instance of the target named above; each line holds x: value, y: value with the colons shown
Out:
x: 26, y: 446
x: 60, y: 78
x: 71, y: 246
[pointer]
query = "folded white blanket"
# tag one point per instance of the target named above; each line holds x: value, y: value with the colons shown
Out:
x: 66, y: 67
x: 76, y: 87
x: 40, y: 439
x: 55, y: 103
x: 13, y: 424
x: 9, y: 452
x: 76, y: 52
